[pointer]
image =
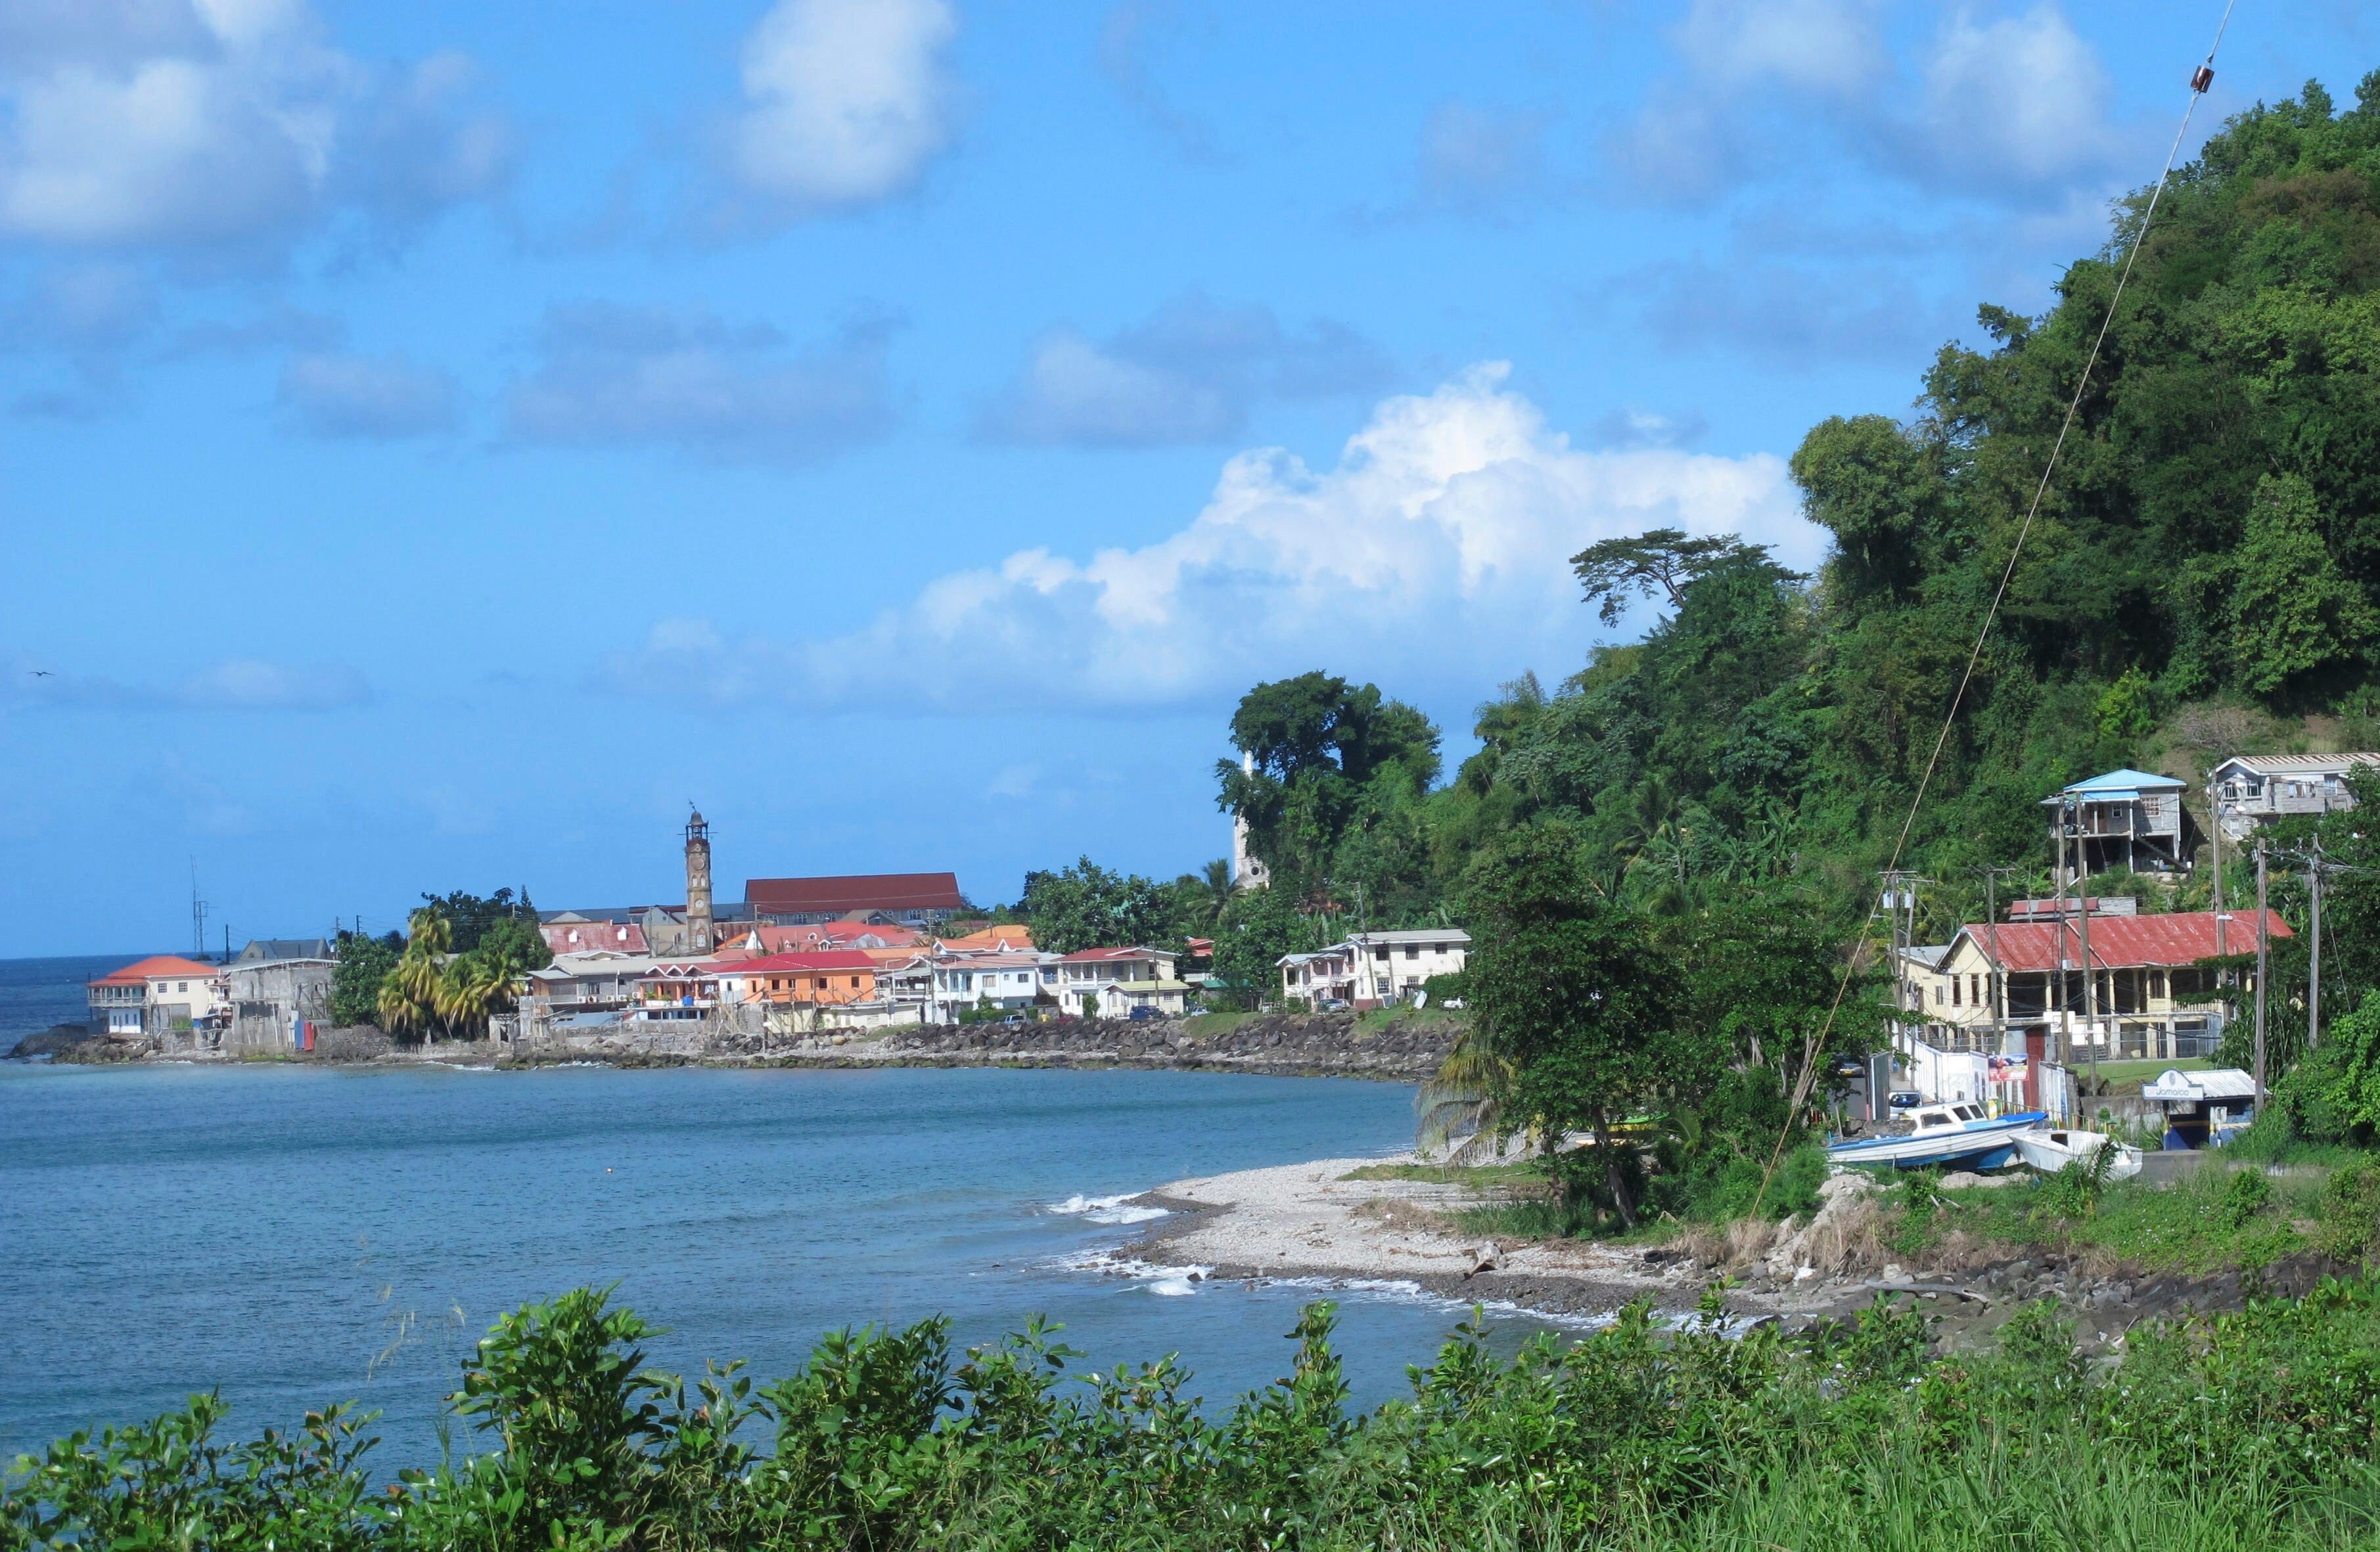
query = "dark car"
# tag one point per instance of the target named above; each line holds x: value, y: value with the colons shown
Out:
x: 1904, y: 1099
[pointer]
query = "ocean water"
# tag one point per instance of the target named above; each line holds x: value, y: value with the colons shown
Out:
x: 295, y: 1236
x: 37, y: 993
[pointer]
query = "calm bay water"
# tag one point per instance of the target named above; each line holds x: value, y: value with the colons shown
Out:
x: 296, y: 1236
x: 37, y: 993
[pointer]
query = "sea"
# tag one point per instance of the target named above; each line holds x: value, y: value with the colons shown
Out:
x: 293, y: 1236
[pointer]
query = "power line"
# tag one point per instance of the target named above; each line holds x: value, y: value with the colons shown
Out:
x: 2199, y: 80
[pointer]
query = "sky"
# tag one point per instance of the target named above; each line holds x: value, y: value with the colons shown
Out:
x: 439, y: 442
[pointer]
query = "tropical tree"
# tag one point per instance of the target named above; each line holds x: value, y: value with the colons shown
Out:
x: 408, y: 998
x: 1582, y: 1002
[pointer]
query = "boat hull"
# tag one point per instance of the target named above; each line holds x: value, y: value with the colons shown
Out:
x: 2050, y: 1151
x: 1985, y: 1144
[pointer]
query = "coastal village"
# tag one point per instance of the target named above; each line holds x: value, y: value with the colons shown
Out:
x: 2003, y: 1015
x: 798, y: 958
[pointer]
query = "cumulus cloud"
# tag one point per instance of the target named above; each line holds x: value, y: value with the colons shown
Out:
x: 2018, y: 104
x: 232, y: 685
x: 1189, y: 374
x: 610, y: 374
x: 1435, y: 551
x: 338, y: 394
x: 845, y: 104
x: 2002, y: 107
x: 220, y: 125
x: 1647, y: 428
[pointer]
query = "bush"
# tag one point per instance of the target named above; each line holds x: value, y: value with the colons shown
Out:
x: 1847, y: 1435
x: 2245, y: 1195
x: 2350, y: 1213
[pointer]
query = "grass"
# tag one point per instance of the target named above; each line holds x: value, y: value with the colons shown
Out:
x: 2141, y: 1072
x: 2198, y: 1225
x: 1526, y: 1172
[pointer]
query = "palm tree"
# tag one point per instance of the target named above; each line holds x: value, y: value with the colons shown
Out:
x: 1465, y: 1096
x: 409, y: 997
x: 1204, y: 895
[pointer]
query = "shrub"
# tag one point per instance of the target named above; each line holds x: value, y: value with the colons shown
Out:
x: 2349, y: 1214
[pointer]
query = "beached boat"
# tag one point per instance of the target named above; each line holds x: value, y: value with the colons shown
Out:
x: 1947, y: 1134
x: 2052, y: 1150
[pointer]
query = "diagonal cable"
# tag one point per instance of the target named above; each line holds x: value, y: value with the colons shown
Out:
x: 2199, y: 81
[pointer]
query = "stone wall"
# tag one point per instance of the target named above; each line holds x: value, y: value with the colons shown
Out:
x: 1407, y: 1046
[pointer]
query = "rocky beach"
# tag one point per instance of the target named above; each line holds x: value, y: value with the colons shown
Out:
x: 1361, y: 1223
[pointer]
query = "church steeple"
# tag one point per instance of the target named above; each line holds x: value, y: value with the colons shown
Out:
x: 697, y: 885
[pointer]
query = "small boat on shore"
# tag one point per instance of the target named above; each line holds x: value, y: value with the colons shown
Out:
x: 2052, y: 1150
x: 1946, y: 1134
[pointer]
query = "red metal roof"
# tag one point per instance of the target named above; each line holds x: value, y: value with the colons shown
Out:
x: 856, y: 891
x: 155, y: 965
x: 805, y: 964
x: 2122, y: 942
x: 1101, y: 956
x: 586, y: 937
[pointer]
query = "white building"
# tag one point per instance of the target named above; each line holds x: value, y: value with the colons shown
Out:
x: 2249, y: 789
x: 1124, y: 1000
x: 178, y: 1002
x: 1087, y: 973
x: 1010, y: 982
x: 1373, y: 968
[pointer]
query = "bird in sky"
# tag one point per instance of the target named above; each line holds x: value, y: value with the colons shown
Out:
x: 43, y: 674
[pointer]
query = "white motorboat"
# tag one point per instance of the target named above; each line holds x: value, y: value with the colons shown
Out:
x: 1956, y: 1133
x: 2051, y: 1149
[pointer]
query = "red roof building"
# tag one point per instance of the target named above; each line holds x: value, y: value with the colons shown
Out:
x: 917, y: 899
x: 2172, y: 942
x: 834, y: 976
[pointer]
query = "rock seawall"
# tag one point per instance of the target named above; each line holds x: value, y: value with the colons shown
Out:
x: 1303, y: 1045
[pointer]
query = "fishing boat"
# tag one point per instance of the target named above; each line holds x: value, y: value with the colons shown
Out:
x: 1946, y: 1134
x: 2052, y: 1150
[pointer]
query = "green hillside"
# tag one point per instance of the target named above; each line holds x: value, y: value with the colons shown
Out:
x: 2199, y: 580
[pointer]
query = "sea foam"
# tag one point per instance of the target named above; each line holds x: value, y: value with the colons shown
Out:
x: 1114, y: 1209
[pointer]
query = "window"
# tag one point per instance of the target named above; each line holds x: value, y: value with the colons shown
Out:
x: 1413, y: 951
x: 855, y: 983
x: 1954, y: 991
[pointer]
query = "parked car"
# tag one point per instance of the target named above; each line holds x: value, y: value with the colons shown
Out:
x: 1904, y: 1099
x: 1138, y: 1014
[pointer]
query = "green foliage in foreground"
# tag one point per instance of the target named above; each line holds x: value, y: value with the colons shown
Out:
x: 2215, y: 1219
x: 2259, y: 1429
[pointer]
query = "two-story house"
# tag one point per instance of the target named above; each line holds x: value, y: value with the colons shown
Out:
x: 1370, y: 969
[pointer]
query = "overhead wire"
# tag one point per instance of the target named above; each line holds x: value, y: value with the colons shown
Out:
x: 2199, y: 81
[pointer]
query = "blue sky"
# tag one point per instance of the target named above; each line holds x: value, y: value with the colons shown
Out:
x: 439, y: 440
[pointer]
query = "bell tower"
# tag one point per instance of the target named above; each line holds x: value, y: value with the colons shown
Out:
x: 697, y: 885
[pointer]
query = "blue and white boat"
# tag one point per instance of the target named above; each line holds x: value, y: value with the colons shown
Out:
x: 1960, y: 1133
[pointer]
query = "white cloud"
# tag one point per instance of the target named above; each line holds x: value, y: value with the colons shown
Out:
x: 846, y: 102
x: 2019, y: 101
x: 613, y: 374
x: 219, y: 124
x: 1435, y: 551
x: 2005, y: 107
x: 1830, y: 47
x: 338, y: 394
x: 1189, y: 374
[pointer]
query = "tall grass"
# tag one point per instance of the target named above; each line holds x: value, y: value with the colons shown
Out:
x: 2260, y: 1428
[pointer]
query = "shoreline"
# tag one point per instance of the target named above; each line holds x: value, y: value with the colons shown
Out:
x: 1309, y: 1223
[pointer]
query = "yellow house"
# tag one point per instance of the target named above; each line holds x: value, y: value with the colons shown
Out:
x: 2154, y: 997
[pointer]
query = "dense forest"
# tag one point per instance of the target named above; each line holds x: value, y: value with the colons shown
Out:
x: 2199, y: 581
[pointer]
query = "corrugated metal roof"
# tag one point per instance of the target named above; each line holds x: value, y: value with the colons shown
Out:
x: 2120, y: 942
x: 2127, y: 781
x: 2296, y: 765
x: 844, y: 893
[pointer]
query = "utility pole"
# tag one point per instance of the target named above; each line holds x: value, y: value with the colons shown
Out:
x: 2058, y: 919
x: 2090, y: 969
x: 2314, y: 946
x: 2222, y: 919
x: 2261, y: 948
